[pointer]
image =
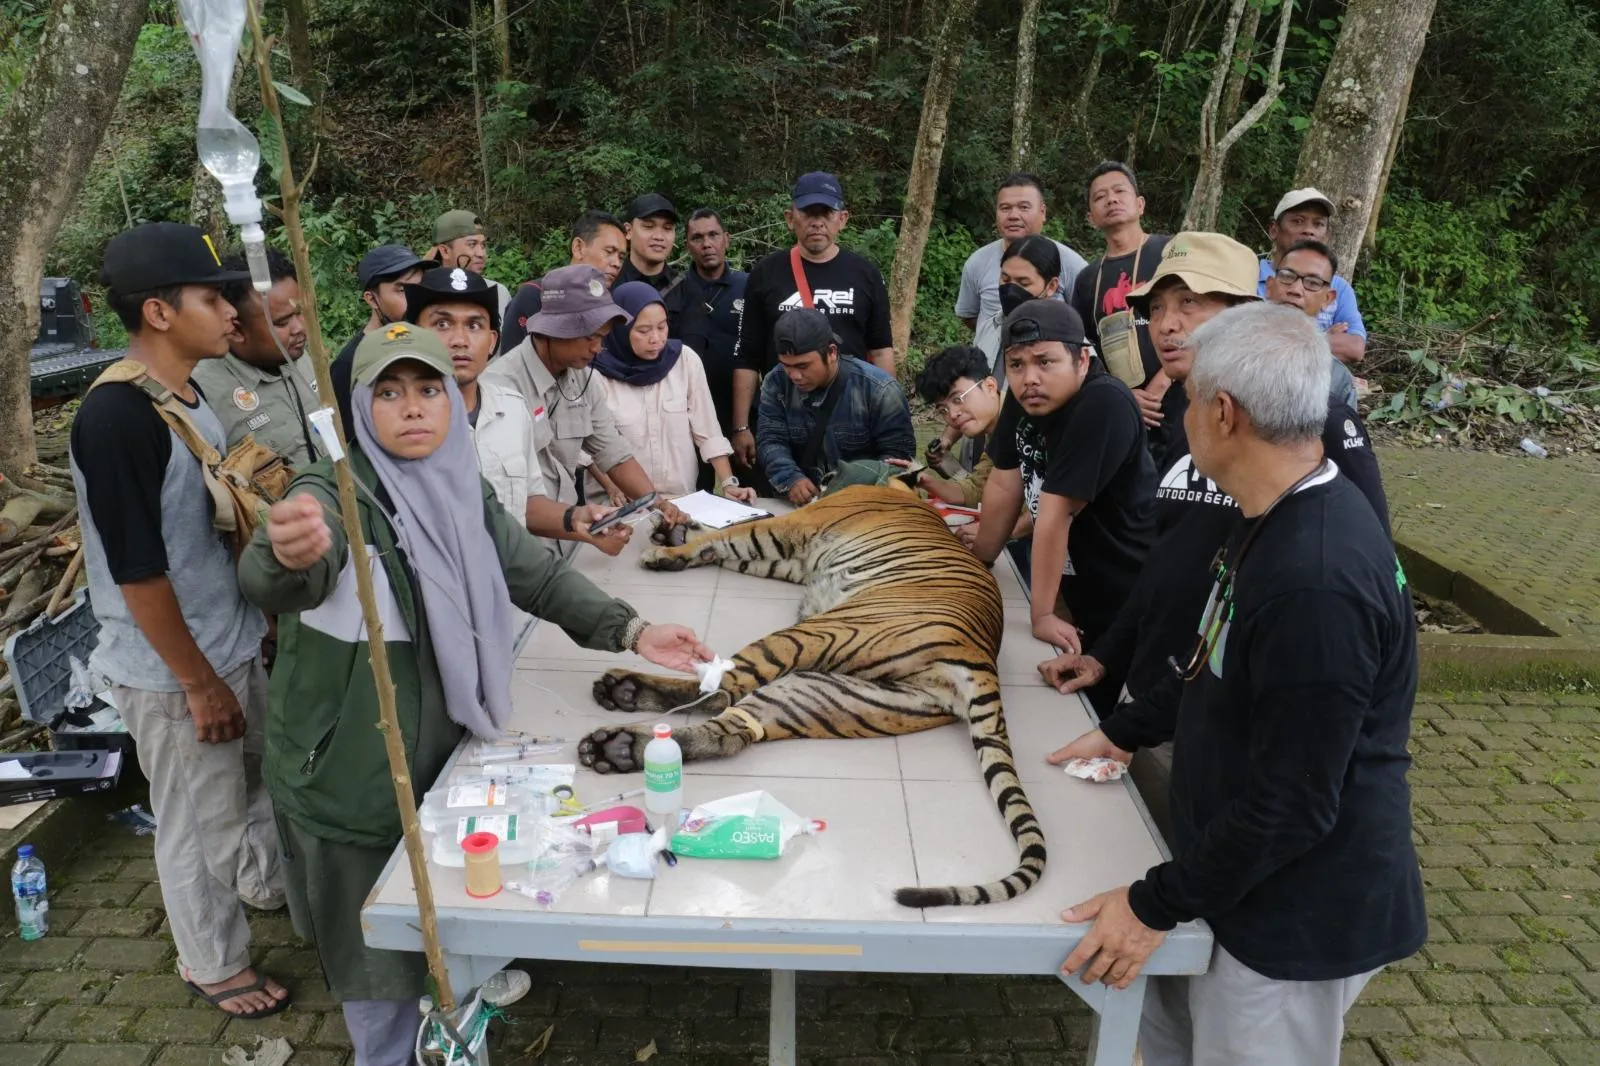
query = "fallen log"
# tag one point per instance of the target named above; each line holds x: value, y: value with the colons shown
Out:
x: 64, y: 586
x: 29, y: 589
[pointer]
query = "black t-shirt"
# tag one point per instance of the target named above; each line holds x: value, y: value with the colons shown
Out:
x: 525, y: 303
x: 722, y: 299
x: 849, y: 288
x: 341, y: 371
x: 121, y: 447
x: 1290, y: 809
x: 1103, y: 286
x: 1091, y: 449
x: 1194, y: 518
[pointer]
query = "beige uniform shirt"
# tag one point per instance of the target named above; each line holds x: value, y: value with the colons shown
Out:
x: 507, y: 456
x: 570, y: 418
x: 273, y: 407
x: 666, y: 422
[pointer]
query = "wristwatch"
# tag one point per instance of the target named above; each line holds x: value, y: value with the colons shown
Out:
x: 730, y: 483
x: 566, y: 520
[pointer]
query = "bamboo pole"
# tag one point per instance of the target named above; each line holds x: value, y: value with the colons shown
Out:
x: 388, y: 719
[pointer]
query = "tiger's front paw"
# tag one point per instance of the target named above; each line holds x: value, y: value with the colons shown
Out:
x: 613, y: 751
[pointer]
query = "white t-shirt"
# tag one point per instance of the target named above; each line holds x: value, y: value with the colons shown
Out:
x: 979, y: 297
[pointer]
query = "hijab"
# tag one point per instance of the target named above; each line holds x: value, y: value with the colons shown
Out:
x: 438, y: 519
x: 616, y: 359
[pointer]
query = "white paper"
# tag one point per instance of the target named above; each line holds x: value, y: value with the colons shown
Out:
x: 13, y: 770
x: 716, y: 512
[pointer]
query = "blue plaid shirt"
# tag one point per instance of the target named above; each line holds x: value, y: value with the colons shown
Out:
x: 870, y: 421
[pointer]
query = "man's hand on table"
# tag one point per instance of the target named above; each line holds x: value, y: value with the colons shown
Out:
x: 673, y: 646
x: 1117, y: 946
x: 1058, y: 632
x: 802, y: 492
x: 1068, y: 673
x: 1092, y: 745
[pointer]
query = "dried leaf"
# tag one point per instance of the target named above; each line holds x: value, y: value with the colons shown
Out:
x: 646, y: 1053
x: 540, y: 1043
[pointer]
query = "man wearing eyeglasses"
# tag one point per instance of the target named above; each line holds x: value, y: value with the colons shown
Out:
x: 1303, y: 215
x: 1291, y: 812
x: 1304, y: 278
x: 1070, y: 448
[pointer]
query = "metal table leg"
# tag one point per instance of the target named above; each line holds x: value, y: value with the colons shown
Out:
x: 1116, y: 1025
x: 780, y: 1039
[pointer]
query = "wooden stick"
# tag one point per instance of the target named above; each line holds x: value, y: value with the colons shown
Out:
x: 388, y: 717
x: 64, y: 586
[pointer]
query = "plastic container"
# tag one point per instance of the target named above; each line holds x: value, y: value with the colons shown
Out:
x: 1534, y: 448
x: 30, y: 893
x: 40, y: 658
x: 447, y: 805
x: 663, y: 774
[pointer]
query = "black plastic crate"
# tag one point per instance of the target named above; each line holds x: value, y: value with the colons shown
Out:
x: 41, y: 671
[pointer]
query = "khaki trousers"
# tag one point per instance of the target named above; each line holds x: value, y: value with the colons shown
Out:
x: 216, y: 843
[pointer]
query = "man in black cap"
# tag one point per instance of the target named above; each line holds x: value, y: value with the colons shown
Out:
x: 384, y: 273
x: 815, y: 273
x: 597, y: 241
x: 652, y: 231
x: 820, y: 407
x: 1070, y: 446
x: 178, y: 643
x: 460, y: 306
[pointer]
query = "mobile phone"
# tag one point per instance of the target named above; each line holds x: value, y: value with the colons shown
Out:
x: 622, y: 512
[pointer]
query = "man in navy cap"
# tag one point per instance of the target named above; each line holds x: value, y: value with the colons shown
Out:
x: 384, y: 273
x: 815, y: 273
x: 651, y: 227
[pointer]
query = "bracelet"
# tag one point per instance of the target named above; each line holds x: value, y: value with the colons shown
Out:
x: 741, y: 429
x: 731, y: 483
x: 566, y: 520
x: 632, y: 632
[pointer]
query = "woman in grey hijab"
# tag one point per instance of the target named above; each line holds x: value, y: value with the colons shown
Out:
x: 447, y: 564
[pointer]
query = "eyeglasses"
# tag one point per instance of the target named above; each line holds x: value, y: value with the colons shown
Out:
x: 1309, y: 282
x: 958, y: 400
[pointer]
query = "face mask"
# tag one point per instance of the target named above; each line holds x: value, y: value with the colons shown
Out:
x: 1013, y: 296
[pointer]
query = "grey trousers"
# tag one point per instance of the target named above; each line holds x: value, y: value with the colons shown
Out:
x: 216, y: 843
x: 382, y: 1031
x: 1232, y: 1016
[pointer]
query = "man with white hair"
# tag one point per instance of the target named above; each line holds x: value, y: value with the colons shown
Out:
x: 1289, y: 716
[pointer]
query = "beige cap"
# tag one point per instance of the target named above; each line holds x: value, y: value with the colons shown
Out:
x: 1299, y: 198
x: 1207, y: 263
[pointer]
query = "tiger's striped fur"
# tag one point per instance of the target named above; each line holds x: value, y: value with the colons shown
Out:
x: 898, y: 633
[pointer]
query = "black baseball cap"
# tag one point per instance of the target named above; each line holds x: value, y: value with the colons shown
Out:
x: 160, y: 255
x: 452, y: 285
x: 387, y: 261
x: 818, y: 188
x: 803, y: 330
x: 1043, y: 320
x: 650, y: 204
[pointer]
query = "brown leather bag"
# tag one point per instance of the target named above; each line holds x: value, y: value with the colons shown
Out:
x: 243, y: 484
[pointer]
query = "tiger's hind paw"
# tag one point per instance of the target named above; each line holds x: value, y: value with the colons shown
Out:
x: 613, y: 751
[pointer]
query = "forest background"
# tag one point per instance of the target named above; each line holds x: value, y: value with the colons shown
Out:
x: 531, y: 111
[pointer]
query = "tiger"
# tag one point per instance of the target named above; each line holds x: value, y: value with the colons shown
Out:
x: 899, y: 629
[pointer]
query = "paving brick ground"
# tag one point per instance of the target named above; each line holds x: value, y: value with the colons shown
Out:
x: 1507, y: 797
x: 1523, y: 527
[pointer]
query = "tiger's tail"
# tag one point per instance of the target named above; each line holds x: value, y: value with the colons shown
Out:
x: 987, y: 724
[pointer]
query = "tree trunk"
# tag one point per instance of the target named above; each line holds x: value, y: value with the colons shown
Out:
x: 1022, y: 98
x: 922, y: 187
x: 1090, y: 77
x: 502, y: 37
x: 49, y: 133
x: 302, y: 59
x: 1363, y: 92
x: 1243, y: 53
x: 1206, y: 197
x: 1369, y: 239
x: 206, y: 207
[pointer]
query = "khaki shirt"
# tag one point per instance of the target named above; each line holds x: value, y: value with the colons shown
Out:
x: 507, y: 456
x: 570, y: 418
x: 275, y: 408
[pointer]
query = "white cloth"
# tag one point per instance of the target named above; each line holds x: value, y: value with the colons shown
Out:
x: 1233, y: 1016
x: 666, y: 422
x: 507, y: 453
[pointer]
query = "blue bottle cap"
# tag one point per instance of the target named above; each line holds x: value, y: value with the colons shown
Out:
x: 25, y: 851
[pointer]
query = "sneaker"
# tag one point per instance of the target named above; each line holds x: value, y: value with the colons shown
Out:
x: 506, y: 987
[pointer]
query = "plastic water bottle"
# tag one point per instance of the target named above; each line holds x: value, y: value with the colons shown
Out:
x: 663, y: 776
x: 28, y: 889
x: 1529, y: 445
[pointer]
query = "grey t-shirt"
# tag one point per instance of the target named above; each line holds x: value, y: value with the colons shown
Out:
x: 145, y: 512
x: 979, y: 297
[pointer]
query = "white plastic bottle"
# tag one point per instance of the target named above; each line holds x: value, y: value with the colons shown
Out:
x: 663, y: 777
x: 29, y: 891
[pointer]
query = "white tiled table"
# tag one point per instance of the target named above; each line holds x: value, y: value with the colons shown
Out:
x: 900, y: 811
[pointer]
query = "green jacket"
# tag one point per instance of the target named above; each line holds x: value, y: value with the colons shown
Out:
x: 325, y: 766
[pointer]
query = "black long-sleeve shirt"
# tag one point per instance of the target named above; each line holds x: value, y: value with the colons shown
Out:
x: 1291, y: 813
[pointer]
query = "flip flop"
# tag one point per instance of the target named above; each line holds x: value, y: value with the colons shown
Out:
x: 216, y: 999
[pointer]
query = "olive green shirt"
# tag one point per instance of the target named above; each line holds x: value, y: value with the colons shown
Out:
x: 274, y: 407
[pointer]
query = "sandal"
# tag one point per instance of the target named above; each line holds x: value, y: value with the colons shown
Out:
x: 216, y: 999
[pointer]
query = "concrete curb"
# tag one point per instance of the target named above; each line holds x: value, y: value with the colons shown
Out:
x: 1444, y: 578
x: 57, y: 831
